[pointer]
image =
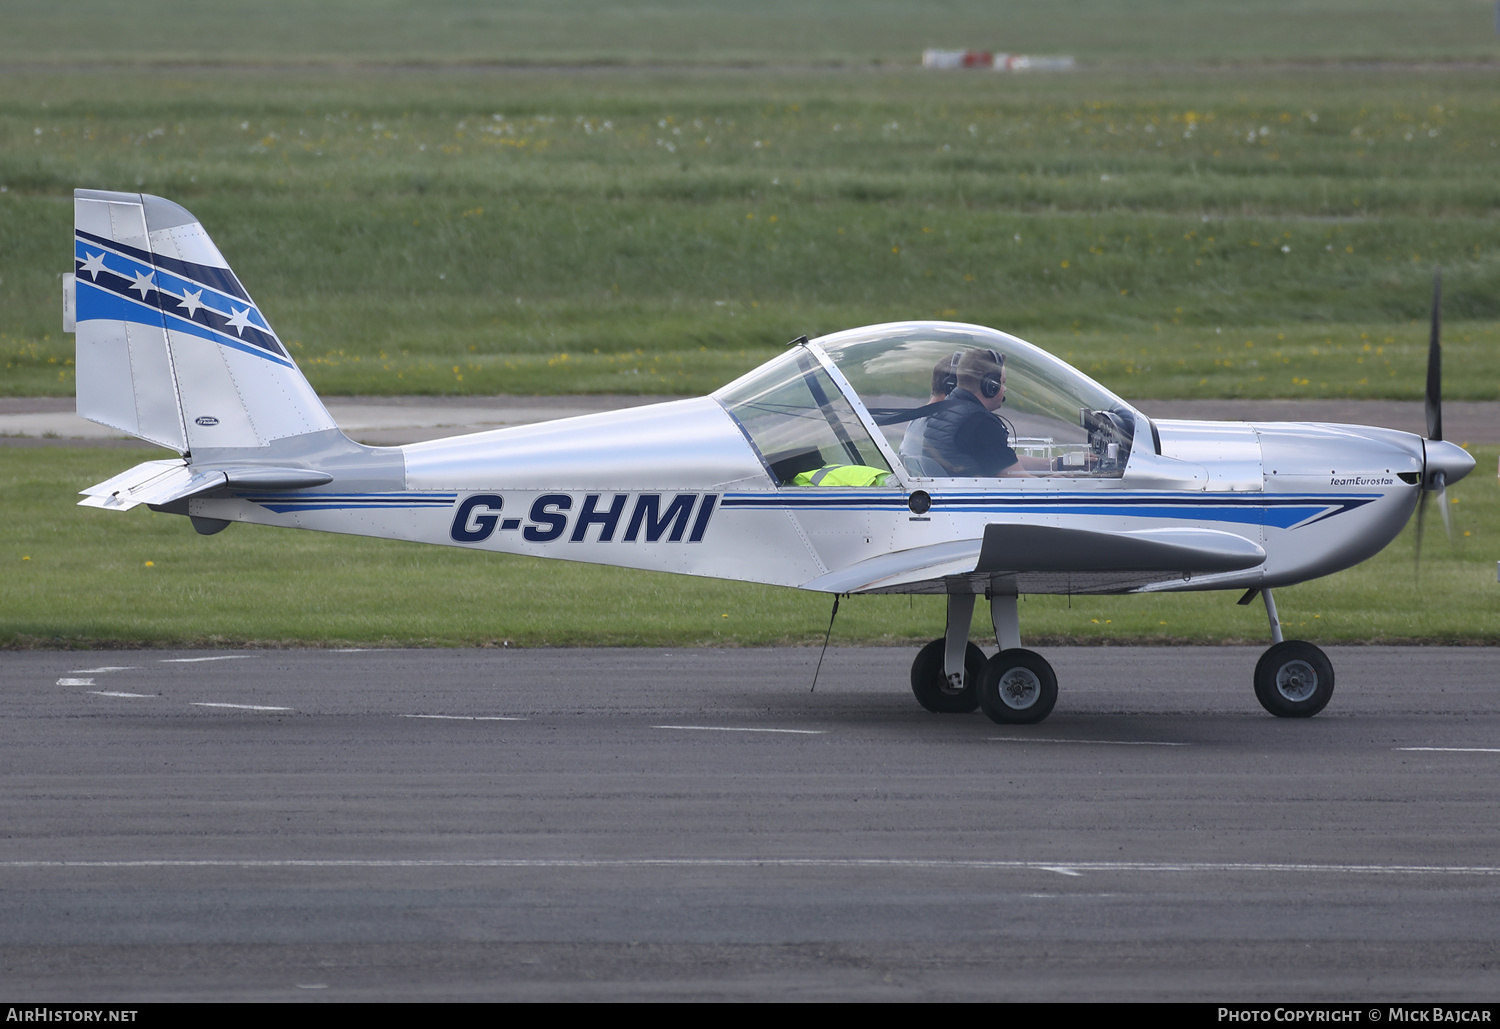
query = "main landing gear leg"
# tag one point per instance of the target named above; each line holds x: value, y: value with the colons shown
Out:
x: 1293, y: 679
x: 1005, y: 616
x: 1271, y: 615
x: 945, y: 675
x: 1018, y: 686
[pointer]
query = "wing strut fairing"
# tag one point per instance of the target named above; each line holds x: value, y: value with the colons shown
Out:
x: 1098, y: 561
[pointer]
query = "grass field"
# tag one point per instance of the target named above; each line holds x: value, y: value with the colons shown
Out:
x: 1205, y: 233
x: 771, y: 32
x: 458, y: 197
x: 79, y: 578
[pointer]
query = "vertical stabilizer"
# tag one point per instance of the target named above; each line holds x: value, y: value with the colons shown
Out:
x: 170, y: 346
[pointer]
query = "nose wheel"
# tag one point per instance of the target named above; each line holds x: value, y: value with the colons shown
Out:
x: 1293, y: 679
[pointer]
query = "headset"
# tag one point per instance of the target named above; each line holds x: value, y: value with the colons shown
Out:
x: 950, y: 381
x: 991, y: 383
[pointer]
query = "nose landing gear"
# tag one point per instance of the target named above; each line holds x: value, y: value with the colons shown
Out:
x: 1293, y: 678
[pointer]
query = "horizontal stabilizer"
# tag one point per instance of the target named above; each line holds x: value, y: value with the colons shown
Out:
x: 161, y: 482
x: 154, y: 482
x: 1054, y: 548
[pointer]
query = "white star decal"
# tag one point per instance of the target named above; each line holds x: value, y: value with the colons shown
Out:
x: 93, y: 266
x: 240, y: 321
x: 190, y: 300
x: 144, y: 283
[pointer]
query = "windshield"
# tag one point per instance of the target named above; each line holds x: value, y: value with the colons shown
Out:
x: 1058, y: 421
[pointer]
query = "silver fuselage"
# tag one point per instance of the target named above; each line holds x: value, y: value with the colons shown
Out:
x: 677, y: 487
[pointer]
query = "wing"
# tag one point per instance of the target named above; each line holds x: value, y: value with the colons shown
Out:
x: 1042, y: 558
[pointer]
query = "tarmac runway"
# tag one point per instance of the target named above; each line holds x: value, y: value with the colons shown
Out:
x: 695, y: 824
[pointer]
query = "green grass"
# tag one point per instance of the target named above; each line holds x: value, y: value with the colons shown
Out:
x: 1225, y: 201
x: 647, y: 231
x: 77, y: 577
x: 769, y: 32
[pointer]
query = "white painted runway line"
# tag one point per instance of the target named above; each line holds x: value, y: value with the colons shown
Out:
x: 240, y: 707
x: 1455, y: 750
x: 113, y: 693
x: 732, y: 728
x: 106, y: 668
x: 195, y: 660
x: 470, y: 718
x: 1107, y: 743
x: 1070, y: 868
x: 75, y: 682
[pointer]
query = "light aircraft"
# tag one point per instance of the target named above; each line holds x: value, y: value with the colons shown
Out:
x: 799, y: 473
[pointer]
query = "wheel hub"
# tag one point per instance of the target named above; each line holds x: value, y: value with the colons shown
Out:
x: 1296, y: 680
x: 1019, y: 688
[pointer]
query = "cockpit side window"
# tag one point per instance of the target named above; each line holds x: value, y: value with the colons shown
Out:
x: 1057, y: 421
x: 804, y: 429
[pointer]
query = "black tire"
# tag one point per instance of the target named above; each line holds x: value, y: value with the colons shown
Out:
x: 1293, y: 679
x: 931, y: 686
x: 1018, y: 687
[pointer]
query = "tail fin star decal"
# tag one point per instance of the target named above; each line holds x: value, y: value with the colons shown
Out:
x: 143, y: 284
x: 240, y: 320
x: 124, y: 277
x: 92, y: 265
x: 191, y: 300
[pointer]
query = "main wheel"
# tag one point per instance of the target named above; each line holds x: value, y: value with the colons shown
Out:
x: 1293, y: 679
x: 931, y: 686
x: 1018, y: 687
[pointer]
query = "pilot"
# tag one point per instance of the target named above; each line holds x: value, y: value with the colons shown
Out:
x: 944, y: 381
x: 964, y: 435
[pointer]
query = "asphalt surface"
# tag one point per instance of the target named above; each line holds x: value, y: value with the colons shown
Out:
x: 649, y: 824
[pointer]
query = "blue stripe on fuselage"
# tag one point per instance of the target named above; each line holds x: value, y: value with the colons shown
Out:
x: 282, y: 503
x: 1281, y: 511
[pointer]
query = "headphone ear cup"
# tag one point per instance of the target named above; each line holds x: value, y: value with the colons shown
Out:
x: 950, y: 384
x: 990, y: 384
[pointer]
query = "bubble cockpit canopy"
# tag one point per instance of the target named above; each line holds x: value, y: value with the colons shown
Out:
x: 813, y: 429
